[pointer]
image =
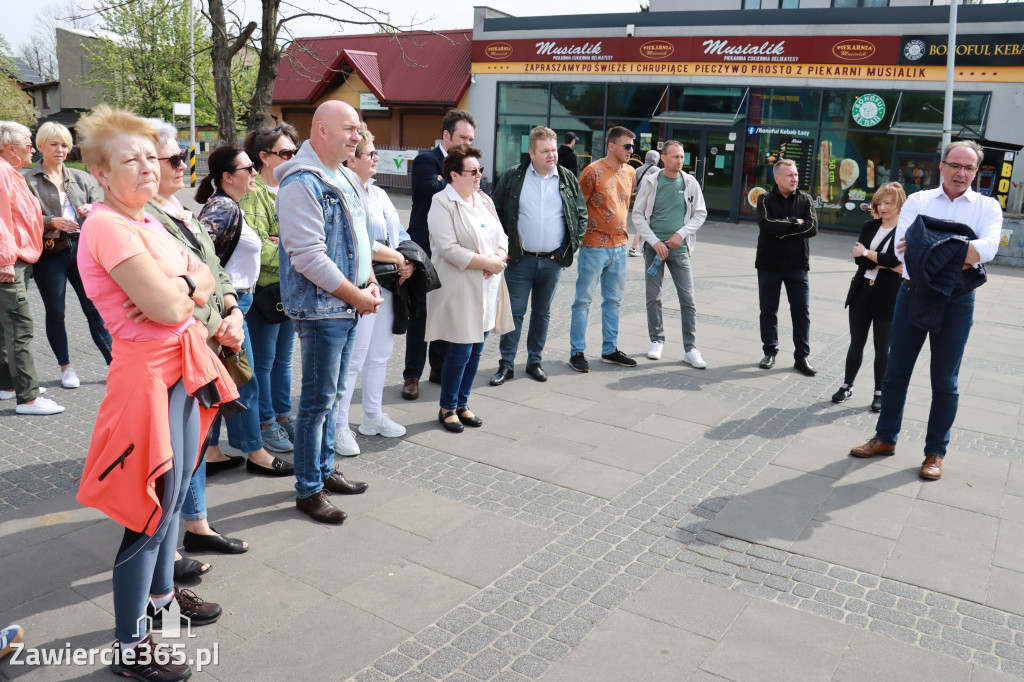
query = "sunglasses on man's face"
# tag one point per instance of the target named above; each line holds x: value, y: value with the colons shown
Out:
x: 176, y: 160
x: 285, y: 154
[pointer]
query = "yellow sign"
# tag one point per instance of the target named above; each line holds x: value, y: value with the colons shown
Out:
x: 766, y: 70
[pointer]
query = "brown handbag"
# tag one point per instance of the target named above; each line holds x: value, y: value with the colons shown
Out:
x: 237, y: 365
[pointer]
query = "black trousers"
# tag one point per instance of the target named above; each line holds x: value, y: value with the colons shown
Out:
x: 870, y: 307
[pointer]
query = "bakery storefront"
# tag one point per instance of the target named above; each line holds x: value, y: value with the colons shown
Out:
x: 853, y: 111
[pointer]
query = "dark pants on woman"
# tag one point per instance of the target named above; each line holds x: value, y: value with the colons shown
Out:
x: 460, y: 365
x: 52, y: 273
x: 145, y: 563
x: 870, y: 307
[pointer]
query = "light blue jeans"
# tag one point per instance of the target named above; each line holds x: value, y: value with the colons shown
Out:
x: 609, y: 267
x: 273, y: 346
x: 244, y: 433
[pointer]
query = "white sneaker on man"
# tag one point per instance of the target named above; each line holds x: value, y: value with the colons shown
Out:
x: 694, y: 359
x: 345, y: 443
x: 381, y: 426
x: 8, y: 395
x: 39, y: 406
x: 655, y: 352
x: 68, y: 378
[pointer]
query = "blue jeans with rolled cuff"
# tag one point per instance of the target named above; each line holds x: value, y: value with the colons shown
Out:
x: 460, y: 365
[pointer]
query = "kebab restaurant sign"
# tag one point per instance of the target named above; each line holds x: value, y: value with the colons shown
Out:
x: 859, y: 57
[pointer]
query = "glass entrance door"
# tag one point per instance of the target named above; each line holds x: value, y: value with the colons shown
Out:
x: 916, y: 171
x: 710, y: 156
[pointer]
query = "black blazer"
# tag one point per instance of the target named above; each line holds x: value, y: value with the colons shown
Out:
x: 887, y: 284
x: 425, y: 169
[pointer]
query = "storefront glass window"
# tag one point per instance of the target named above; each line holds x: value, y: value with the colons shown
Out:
x: 513, y: 145
x: 797, y: 108
x: 590, y: 132
x: 859, y: 109
x: 851, y: 166
x: 764, y: 149
x: 926, y: 108
x: 577, y: 99
x: 705, y: 100
x: 635, y: 100
x: 523, y: 98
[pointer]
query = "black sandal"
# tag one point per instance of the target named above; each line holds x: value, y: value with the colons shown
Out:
x: 194, y: 542
x: 454, y: 427
x: 187, y: 570
x: 473, y: 421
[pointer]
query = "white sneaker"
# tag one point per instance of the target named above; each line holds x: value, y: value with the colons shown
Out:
x: 381, y: 426
x: 39, y: 406
x: 655, y: 352
x: 694, y: 359
x: 8, y: 395
x: 68, y: 378
x: 345, y: 443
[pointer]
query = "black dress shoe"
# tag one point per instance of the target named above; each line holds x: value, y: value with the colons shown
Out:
x: 537, y: 372
x: 195, y: 542
x: 434, y: 377
x: 502, y: 375
x: 337, y: 483
x: 214, y: 468
x: 876, y: 403
x: 804, y: 367
x: 319, y: 508
x: 454, y: 427
x: 473, y: 421
x: 767, y: 362
x: 278, y: 467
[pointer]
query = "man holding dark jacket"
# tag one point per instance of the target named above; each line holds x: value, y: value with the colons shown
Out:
x: 786, y: 219
x: 427, y: 180
x: 541, y: 207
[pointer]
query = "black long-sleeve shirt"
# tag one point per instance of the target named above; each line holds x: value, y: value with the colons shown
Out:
x: 782, y: 242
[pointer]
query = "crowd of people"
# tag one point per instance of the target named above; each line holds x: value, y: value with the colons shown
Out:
x: 197, y: 315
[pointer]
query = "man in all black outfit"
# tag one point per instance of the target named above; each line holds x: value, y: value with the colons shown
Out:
x: 566, y: 155
x: 456, y: 128
x: 786, y: 219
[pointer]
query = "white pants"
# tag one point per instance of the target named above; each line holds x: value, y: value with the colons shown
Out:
x: 374, y: 342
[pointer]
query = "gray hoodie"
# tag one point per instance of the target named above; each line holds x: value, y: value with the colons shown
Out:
x: 301, y: 218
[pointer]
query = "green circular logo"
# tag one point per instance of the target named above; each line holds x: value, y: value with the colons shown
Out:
x: 868, y: 110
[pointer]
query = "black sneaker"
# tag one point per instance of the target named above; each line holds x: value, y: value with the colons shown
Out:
x: 842, y: 395
x: 141, y: 663
x: 618, y: 358
x: 194, y: 610
x: 876, y: 403
x: 579, y: 363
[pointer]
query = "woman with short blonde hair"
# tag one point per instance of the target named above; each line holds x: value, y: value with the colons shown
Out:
x: 66, y: 196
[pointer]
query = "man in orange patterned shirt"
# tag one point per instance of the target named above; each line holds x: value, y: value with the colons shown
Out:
x: 606, y: 184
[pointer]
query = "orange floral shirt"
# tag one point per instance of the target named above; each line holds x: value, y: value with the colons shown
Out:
x: 606, y: 192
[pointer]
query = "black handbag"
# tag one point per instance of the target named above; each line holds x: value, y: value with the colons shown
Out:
x: 267, y: 302
x: 386, y: 274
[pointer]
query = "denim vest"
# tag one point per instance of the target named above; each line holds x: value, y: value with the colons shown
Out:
x: 303, y: 300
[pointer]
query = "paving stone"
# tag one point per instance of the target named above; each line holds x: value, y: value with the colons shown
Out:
x: 393, y: 664
x: 530, y: 665
x: 459, y: 619
x: 986, y: 628
x: 804, y: 590
x: 895, y: 631
x: 944, y: 646
x: 981, y: 612
x: 443, y: 662
x: 945, y: 617
x: 413, y: 650
x: 883, y: 598
x: 820, y: 609
x: 531, y: 629
x: 512, y: 644
x: 475, y: 639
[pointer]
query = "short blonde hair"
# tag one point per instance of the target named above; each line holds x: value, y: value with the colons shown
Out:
x: 50, y: 130
x: 98, y: 130
x: 365, y: 138
x: 894, y: 192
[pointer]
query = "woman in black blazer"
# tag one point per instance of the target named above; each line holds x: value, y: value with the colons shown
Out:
x: 872, y: 295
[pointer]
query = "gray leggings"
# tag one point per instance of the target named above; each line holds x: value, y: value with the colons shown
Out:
x: 145, y: 563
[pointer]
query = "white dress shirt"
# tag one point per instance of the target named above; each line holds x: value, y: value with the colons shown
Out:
x: 541, y: 221
x: 980, y: 213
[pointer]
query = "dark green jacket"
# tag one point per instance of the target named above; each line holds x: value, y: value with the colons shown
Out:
x: 211, y: 313
x: 574, y: 210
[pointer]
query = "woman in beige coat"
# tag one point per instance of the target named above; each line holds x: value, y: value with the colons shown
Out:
x: 469, y: 248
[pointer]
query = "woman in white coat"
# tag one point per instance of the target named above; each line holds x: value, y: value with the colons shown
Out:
x: 469, y: 249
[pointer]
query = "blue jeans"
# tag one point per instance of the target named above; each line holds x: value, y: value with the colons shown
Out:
x: 539, y: 276
x: 244, y: 433
x: 608, y: 266
x: 273, y: 346
x: 52, y: 273
x: 798, y: 291
x: 678, y: 265
x: 947, y: 350
x: 460, y: 364
x: 326, y: 347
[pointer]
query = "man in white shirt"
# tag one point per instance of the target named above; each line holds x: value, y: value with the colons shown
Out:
x: 953, y: 200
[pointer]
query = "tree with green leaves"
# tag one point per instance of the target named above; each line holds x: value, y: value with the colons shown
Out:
x: 14, y: 105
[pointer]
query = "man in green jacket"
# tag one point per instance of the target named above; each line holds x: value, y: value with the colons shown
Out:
x: 542, y: 209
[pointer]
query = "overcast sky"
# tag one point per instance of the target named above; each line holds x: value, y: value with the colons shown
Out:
x: 19, y: 15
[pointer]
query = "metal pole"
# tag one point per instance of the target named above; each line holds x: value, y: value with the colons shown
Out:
x: 192, y: 91
x: 947, y: 108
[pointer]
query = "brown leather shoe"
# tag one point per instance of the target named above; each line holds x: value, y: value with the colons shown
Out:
x: 411, y: 389
x: 873, y: 448
x: 932, y: 467
x: 320, y: 508
x: 435, y: 377
x: 337, y: 483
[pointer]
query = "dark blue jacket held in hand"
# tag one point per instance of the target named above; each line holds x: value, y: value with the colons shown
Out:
x: 935, y: 255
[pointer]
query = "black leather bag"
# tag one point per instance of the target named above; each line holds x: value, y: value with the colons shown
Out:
x: 267, y: 302
x: 386, y: 274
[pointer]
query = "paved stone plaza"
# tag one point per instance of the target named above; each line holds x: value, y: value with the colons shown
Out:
x: 657, y: 523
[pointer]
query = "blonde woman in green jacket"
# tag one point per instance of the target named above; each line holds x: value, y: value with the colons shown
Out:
x: 273, y: 342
